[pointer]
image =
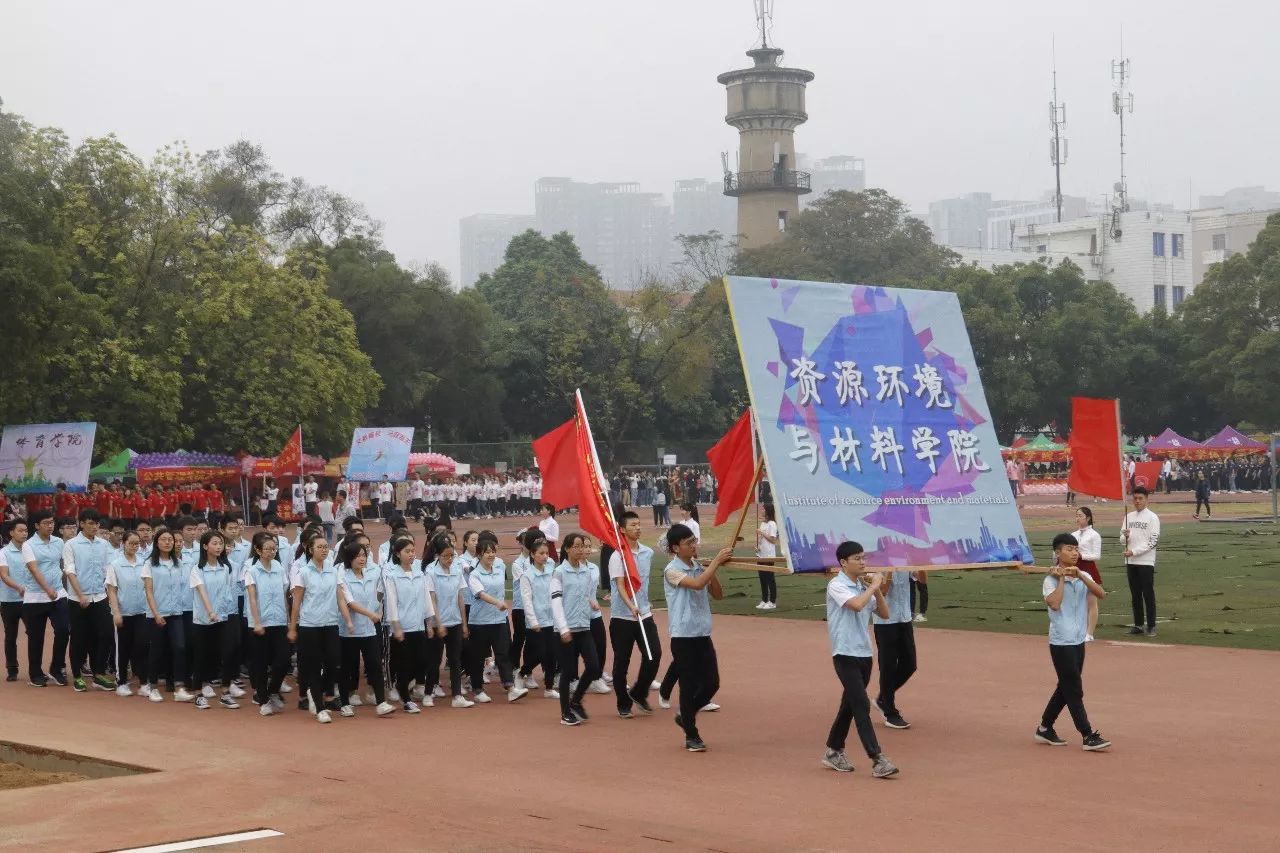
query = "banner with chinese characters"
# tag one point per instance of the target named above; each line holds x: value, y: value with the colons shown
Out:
x: 378, y: 452
x: 874, y: 425
x: 35, y: 458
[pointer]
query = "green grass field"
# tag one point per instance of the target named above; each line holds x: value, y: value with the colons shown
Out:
x: 1216, y: 584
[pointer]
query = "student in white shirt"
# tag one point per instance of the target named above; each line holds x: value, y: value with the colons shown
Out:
x: 45, y: 601
x: 1141, y: 535
x: 1090, y: 542
x: 689, y: 511
x: 13, y: 573
x: 849, y: 595
x: 550, y: 529
x: 310, y: 495
x: 767, y: 546
x: 324, y: 510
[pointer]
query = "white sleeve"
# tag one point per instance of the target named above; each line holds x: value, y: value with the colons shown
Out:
x: 1049, y: 585
x: 428, y: 609
x: 473, y: 583
x: 557, y: 604
x: 841, y: 593
x: 295, y: 578
x: 111, y: 573
x: 342, y: 586
x: 526, y: 596
x: 615, y: 565
x: 246, y: 576
x: 194, y: 580
x: 389, y: 598
x: 28, y: 555
x: 68, y: 560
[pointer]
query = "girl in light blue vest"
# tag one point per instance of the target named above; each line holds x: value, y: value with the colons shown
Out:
x: 573, y: 601
x: 535, y: 592
x: 313, y: 625
x: 361, y: 584
x: 266, y: 587
x: 212, y: 635
x: 451, y: 616
x: 127, y: 597
x: 164, y: 582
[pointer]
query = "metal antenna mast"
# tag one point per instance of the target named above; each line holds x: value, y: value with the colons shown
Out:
x: 1121, y: 102
x: 1058, y: 144
x: 764, y: 19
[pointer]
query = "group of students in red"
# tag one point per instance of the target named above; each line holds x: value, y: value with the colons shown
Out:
x: 204, y: 500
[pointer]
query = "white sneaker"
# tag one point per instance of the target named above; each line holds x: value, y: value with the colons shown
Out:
x: 324, y: 717
x: 664, y: 703
x: 311, y: 705
x: 347, y: 711
x: 355, y: 701
x: 207, y: 692
x: 711, y: 706
x: 772, y: 605
x: 235, y: 691
x: 919, y: 617
x: 608, y: 679
x: 486, y: 678
x: 418, y: 692
x: 266, y: 710
x: 429, y: 701
x: 144, y: 690
x: 516, y: 693
x: 385, y: 708
x: 462, y: 702
x: 490, y: 669
x: 551, y: 694
x: 531, y: 682
x: 202, y: 704
x: 393, y: 695
x: 155, y: 695
x: 598, y: 686
x: 762, y: 605
x: 437, y: 692
x: 369, y: 699
x: 1088, y: 638
x: 286, y: 687
x: 483, y: 698
x: 181, y: 695
x: 277, y: 703
x: 657, y: 685
x: 123, y: 690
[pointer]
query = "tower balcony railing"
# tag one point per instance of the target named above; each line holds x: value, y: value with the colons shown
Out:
x: 738, y: 183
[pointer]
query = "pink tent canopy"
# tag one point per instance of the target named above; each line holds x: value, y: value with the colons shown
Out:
x: 437, y: 463
x: 1231, y: 440
x: 1169, y: 443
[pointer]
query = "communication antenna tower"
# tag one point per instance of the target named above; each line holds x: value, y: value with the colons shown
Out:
x: 764, y: 19
x: 1121, y: 102
x: 1058, y: 143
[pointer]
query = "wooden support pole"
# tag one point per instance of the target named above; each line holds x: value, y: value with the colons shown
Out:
x: 751, y: 496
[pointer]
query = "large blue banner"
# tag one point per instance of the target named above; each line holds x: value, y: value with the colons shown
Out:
x: 35, y: 458
x: 874, y: 424
x: 379, y: 451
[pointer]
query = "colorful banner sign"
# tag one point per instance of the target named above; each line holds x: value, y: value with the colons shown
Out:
x: 174, y: 475
x: 379, y: 451
x: 874, y: 424
x: 35, y: 458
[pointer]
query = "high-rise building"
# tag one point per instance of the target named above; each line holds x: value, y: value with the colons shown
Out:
x: 699, y: 206
x: 961, y: 222
x: 624, y: 232
x: 1005, y: 218
x: 484, y: 238
x: 838, y: 172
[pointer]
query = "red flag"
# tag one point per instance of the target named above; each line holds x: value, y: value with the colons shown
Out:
x: 594, y: 513
x: 733, y: 464
x: 289, y: 462
x: 1095, y: 448
x: 557, y: 455
x: 1147, y: 474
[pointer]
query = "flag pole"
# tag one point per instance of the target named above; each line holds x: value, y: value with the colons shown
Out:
x: 751, y: 495
x: 1124, y: 484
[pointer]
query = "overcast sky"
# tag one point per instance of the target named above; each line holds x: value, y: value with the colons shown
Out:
x: 429, y: 111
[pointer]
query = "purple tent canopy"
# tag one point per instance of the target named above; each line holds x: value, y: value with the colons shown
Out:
x: 1170, y: 440
x: 181, y: 458
x: 1232, y: 440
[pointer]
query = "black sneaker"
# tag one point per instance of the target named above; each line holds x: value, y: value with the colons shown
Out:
x: 694, y: 744
x: 58, y: 678
x: 1135, y: 630
x: 643, y: 705
x: 569, y: 719
x: 879, y: 706
x: 579, y: 711
x: 1049, y: 736
x: 625, y: 713
x: 1094, y: 742
x: 895, y: 721
x: 39, y: 682
x: 13, y: 676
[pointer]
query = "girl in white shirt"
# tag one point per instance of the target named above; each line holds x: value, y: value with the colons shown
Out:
x: 550, y: 529
x: 767, y: 546
x: 1090, y: 552
x: 689, y: 511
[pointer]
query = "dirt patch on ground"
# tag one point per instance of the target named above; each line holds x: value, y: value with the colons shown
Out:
x: 13, y: 776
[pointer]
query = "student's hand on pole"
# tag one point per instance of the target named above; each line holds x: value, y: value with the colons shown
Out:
x: 118, y: 620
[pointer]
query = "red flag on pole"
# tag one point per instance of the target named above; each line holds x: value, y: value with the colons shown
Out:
x: 289, y: 462
x: 594, y: 513
x: 1095, y: 448
x: 557, y: 455
x: 1147, y: 474
x: 733, y: 464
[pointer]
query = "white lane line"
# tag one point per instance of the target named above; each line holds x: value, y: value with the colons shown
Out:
x: 210, y: 841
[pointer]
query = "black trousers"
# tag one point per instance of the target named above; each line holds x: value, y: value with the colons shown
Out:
x: 518, y: 636
x: 698, y: 673
x: 319, y: 654
x: 168, y: 643
x: 185, y: 671
x: 855, y: 675
x: 133, y: 648
x: 669, y: 679
x: 542, y: 649
x: 1068, y: 663
x: 34, y: 618
x: 486, y: 638
x: 92, y: 637
x: 920, y: 590
x: 581, y: 645
x: 268, y: 661
x: 370, y: 648
x: 1208, y: 510
x: 601, y: 638
x: 768, y: 586
x: 214, y: 647
x: 1142, y: 591
x: 625, y: 635
x: 11, y: 615
x: 451, y: 649
x: 896, y: 657
x: 408, y: 663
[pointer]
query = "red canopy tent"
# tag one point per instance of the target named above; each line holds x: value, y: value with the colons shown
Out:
x: 1231, y: 442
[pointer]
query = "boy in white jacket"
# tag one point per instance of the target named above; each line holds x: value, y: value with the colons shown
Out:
x: 1140, y: 535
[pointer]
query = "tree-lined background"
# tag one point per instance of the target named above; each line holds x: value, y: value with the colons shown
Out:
x: 208, y: 302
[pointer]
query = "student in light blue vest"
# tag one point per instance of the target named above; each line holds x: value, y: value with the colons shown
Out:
x: 13, y: 581
x: 84, y: 565
x: 689, y: 589
x: 488, y: 622
x: 411, y: 615
x: 45, y: 601
x: 213, y: 635
x: 451, y: 616
x: 573, y: 600
x: 360, y: 582
x: 127, y: 598
x: 165, y: 583
x: 238, y: 548
x: 266, y: 585
x: 631, y: 622
x: 188, y: 557
x: 895, y: 646
x: 518, y: 631
x: 852, y: 595
x: 543, y: 641
x: 1066, y: 592
x: 313, y: 625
